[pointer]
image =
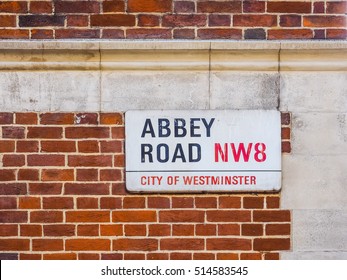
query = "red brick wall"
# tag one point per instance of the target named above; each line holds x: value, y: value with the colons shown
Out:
x: 62, y: 196
x: 173, y: 19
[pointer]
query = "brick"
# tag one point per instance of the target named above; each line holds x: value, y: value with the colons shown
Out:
x: 254, y: 20
x: 14, y: 244
x: 7, y: 146
x: 206, y: 202
x: 86, y: 189
x: 253, y: 6
x: 205, y: 230
x: 147, y: 20
x: 225, y: 244
x: 227, y: 256
x: 14, y: 34
x: 119, y: 189
x: 41, y: 34
x: 143, y: 33
x: 159, y: 230
x: 336, y: 7
x: 6, y: 118
x: 184, y: 33
x: 26, y: 118
x: 181, y: 256
x: 30, y: 256
x: 112, y: 256
x: 157, y: 256
x: 271, y: 244
x: 87, y: 174
x: 111, y: 230
x: 157, y: 6
x: 219, y: 7
x: 113, y: 6
x: 183, y: 20
x: 27, y: 146
x: 325, y: 21
x: 13, y: 160
x: 40, y: 7
x: 45, y: 132
x: 229, y: 216
x: 13, y: 188
x: 13, y: 132
x: 271, y: 216
x: 125, y: 244
x: 29, y: 202
x: 114, y: 146
x: 272, y: 256
x: 112, y: 20
x: 272, y: 202
x: 88, y: 245
x: 229, y: 202
x: 58, y: 146
x: 229, y: 229
x: 119, y: 132
x: 336, y: 34
x: 135, y: 230
x: 181, y: 216
x: 57, y: 175
x: 7, y: 21
x: 86, y: 118
x: 66, y: 7
x: 77, y: 21
x: 87, y: 216
x: 285, y: 118
x: 319, y: 34
x: 111, y: 118
x: 46, y: 217
x: 86, y: 256
x: 46, y: 160
x: 252, y: 229
x: 87, y: 132
x: 286, y: 147
x: 57, y: 203
x: 182, y: 202
x: 110, y: 175
x: 203, y: 256
x: 277, y: 34
x: 184, y: 7
x: 255, y: 34
x: 277, y: 229
x: 90, y: 161
x: 134, y: 202
x: 13, y: 7
x: 87, y: 203
x: 253, y: 202
x: 77, y: 34
x: 289, y: 7
x: 182, y: 244
x: 285, y: 133
x: 57, y: 118
x: 41, y: 20
x: 290, y: 20
x: 319, y: 8
x: 134, y: 216
x: 8, y: 256
x: 8, y: 203
x: 219, y: 20
x: 10, y: 217
x: 28, y: 175
x: 88, y: 230
x: 31, y: 230
x: 250, y: 256
x: 8, y: 230
x: 134, y: 256
x: 60, y: 256
x: 7, y: 175
x: 110, y: 203
x: 113, y: 34
x: 59, y: 230
x: 119, y: 161
x: 45, y: 188
x: 183, y: 230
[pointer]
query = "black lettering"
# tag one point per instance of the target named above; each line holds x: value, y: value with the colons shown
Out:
x: 180, y: 130
x: 197, y: 152
x: 148, y: 128
x: 193, y: 127
x: 165, y: 153
x: 146, y: 150
x: 208, y: 126
x: 163, y: 127
x: 179, y: 154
